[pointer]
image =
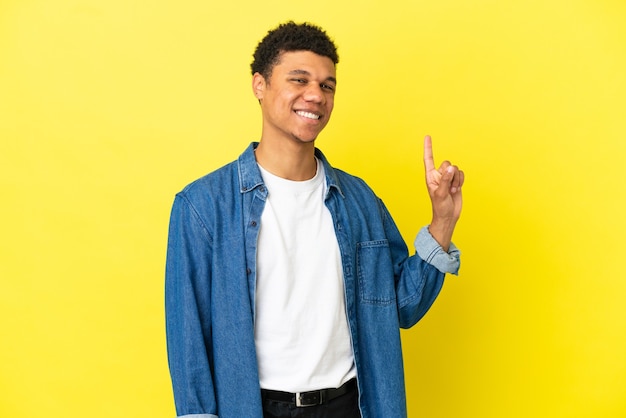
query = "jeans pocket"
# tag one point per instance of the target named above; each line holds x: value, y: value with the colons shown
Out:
x: 375, y: 272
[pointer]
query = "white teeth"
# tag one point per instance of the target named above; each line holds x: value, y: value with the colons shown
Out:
x: 308, y: 115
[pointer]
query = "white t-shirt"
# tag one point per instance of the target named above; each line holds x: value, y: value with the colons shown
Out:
x: 301, y: 330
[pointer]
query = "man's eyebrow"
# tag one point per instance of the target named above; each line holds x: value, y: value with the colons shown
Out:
x: 305, y: 72
x: 299, y: 72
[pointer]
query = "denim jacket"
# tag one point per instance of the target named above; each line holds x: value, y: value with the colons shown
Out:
x: 210, y: 290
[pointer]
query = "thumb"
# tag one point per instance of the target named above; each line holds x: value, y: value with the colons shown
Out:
x: 446, y: 180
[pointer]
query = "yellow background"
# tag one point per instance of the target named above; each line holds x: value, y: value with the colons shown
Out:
x: 109, y: 107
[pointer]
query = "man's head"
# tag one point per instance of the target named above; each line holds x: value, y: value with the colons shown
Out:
x: 289, y: 37
x: 294, y: 79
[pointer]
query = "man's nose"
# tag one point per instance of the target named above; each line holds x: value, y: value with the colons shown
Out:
x: 314, y: 93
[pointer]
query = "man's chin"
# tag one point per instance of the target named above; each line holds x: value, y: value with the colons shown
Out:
x: 305, y: 139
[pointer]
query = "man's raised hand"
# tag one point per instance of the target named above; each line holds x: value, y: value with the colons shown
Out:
x: 444, y: 186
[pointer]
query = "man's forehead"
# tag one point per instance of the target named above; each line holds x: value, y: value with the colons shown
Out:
x: 304, y: 62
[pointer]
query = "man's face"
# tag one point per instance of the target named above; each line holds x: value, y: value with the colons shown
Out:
x: 298, y: 98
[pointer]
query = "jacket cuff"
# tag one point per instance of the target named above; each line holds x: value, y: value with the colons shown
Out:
x: 431, y: 252
x: 198, y: 416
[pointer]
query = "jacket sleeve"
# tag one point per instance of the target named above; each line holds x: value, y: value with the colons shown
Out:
x: 417, y: 281
x: 188, y: 313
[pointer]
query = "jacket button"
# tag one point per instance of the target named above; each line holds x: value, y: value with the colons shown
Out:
x: 248, y: 271
x: 253, y: 223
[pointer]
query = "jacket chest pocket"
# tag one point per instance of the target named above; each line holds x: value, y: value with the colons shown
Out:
x: 375, y: 272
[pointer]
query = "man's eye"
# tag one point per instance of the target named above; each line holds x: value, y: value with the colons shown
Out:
x: 299, y: 80
x: 328, y: 87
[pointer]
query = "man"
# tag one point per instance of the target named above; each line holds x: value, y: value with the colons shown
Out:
x: 287, y: 280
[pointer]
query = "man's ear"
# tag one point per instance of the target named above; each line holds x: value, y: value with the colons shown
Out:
x: 258, y: 85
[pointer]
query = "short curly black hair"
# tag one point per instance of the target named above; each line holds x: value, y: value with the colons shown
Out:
x: 291, y: 36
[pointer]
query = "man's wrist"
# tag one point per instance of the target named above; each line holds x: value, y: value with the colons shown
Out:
x: 442, y: 230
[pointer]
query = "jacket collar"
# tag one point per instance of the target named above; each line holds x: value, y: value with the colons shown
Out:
x: 250, y: 175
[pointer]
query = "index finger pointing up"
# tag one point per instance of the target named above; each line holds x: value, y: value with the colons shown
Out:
x: 429, y: 162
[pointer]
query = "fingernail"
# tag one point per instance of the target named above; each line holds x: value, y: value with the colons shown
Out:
x: 450, y: 169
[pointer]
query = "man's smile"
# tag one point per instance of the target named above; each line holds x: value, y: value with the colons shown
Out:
x: 308, y: 115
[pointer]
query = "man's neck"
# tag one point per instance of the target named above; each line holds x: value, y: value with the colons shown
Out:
x: 291, y: 161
